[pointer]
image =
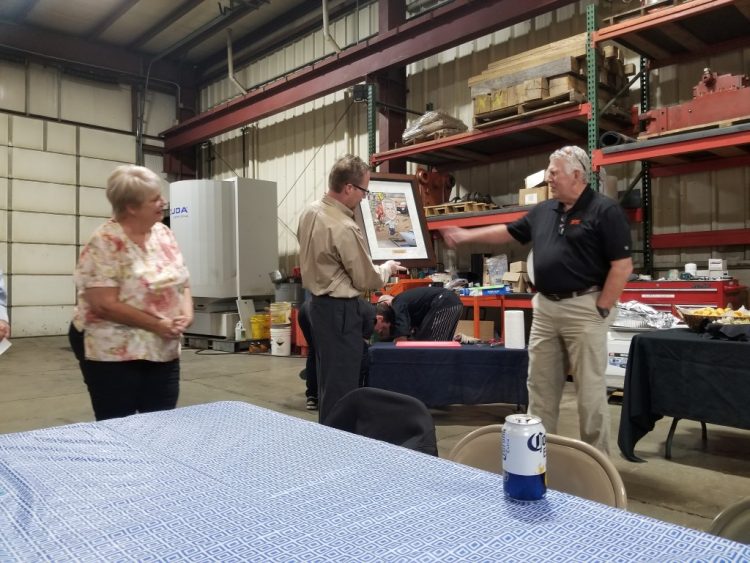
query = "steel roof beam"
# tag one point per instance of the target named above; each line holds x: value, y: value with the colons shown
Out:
x: 442, y: 28
x: 56, y: 46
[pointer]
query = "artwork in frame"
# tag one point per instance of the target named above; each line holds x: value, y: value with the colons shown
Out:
x: 393, y: 221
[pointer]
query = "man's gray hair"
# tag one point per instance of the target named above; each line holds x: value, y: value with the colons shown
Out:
x: 575, y: 158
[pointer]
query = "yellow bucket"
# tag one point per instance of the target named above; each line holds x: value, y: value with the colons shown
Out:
x: 260, y: 327
x: 281, y: 313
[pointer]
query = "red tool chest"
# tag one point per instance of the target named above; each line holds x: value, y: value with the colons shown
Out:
x: 663, y: 295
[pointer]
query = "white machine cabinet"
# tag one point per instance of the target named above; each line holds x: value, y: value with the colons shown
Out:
x: 227, y: 232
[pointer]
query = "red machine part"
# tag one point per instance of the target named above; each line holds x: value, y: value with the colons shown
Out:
x: 434, y: 187
x: 716, y: 98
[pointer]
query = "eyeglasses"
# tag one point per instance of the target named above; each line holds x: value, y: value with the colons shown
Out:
x: 583, y: 165
x: 360, y: 188
x: 561, y: 226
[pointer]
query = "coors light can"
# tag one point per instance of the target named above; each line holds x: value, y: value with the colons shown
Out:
x: 524, y: 457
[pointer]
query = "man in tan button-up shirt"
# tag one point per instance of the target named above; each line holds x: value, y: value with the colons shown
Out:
x: 336, y: 269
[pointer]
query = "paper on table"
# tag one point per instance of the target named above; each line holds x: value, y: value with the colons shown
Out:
x: 427, y: 344
x: 4, y: 345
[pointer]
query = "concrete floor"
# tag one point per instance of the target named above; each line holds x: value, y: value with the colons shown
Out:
x: 40, y: 386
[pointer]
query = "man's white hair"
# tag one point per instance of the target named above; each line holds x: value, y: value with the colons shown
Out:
x: 575, y: 158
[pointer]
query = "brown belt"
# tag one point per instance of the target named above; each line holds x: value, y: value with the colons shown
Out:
x: 569, y: 294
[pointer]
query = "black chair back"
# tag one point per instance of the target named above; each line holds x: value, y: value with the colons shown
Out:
x: 387, y: 416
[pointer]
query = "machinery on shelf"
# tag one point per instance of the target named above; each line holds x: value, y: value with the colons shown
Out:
x: 717, y: 99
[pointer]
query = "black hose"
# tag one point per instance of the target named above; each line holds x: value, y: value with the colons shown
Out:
x: 612, y: 138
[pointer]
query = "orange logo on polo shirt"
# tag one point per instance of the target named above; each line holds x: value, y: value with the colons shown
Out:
x: 574, y: 222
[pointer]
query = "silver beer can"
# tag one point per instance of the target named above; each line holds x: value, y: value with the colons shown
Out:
x: 524, y: 457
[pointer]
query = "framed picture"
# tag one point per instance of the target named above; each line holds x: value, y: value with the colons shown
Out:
x: 392, y: 219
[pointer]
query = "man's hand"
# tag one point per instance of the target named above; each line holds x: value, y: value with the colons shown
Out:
x: 452, y: 236
x: 394, y: 267
x: 4, y: 330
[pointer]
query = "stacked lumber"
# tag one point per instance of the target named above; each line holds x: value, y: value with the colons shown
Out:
x: 457, y: 207
x: 643, y: 9
x: 543, y: 78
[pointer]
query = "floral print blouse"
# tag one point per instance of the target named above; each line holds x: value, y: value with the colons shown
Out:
x: 151, y: 280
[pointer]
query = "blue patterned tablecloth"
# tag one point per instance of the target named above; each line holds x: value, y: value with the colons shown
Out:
x: 234, y: 482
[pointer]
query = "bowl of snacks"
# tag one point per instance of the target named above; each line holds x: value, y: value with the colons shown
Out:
x: 698, y: 318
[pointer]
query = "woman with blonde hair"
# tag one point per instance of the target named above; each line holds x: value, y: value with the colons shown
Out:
x: 134, y: 302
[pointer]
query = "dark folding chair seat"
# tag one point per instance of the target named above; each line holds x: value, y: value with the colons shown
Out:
x: 387, y: 416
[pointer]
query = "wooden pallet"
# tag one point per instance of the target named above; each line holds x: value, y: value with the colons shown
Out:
x: 219, y: 344
x: 459, y: 207
x: 699, y: 127
x: 527, y: 109
x: 440, y: 134
x: 640, y: 11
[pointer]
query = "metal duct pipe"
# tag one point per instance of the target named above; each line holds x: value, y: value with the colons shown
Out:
x: 230, y: 63
x: 612, y: 138
x: 326, y: 31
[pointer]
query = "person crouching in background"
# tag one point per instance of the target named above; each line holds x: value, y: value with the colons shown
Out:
x: 134, y: 302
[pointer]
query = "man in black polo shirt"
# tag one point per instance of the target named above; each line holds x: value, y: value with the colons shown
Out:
x: 581, y: 241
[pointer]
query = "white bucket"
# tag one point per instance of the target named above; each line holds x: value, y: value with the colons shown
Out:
x: 281, y: 340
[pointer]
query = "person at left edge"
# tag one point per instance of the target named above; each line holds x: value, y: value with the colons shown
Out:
x: 134, y: 302
x: 336, y: 269
x: 4, y: 323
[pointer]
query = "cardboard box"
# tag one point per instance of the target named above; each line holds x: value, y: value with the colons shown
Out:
x: 532, y: 196
x: 618, y: 347
x: 517, y: 267
x: 486, y: 329
x: 518, y: 281
x: 534, y: 180
x: 717, y: 264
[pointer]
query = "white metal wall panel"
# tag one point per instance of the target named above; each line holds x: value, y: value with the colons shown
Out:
x: 93, y: 202
x: 27, y: 133
x: 160, y: 112
x: 86, y: 226
x: 42, y: 228
x: 44, y: 181
x: 4, y: 120
x: 106, y: 145
x: 298, y: 153
x: 13, y: 91
x: 346, y: 31
x: 43, y: 166
x: 105, y: 105
x: 3, y: 193
x: 43, y: 197
x: 40, y: 320
x: 94, y: 172
x: 43, y: 258
x: 44, y: 91
x: 61, y: 138
x: 43, y: 290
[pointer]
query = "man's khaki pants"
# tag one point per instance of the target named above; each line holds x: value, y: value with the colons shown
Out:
x: 570, y: 337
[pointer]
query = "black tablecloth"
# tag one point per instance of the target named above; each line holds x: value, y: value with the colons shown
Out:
x: 680, y: 373
x: 471, y: 374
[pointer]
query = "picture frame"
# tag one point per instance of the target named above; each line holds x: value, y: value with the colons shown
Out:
x: 393, y: 221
